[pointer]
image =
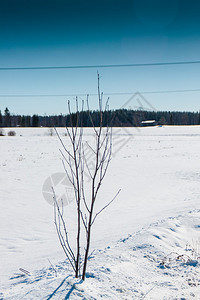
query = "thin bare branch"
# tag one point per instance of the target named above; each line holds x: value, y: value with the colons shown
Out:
x: 60, y: 216
x: 61, y: 239
x: 91, y: 120
x: 84, y: 221
x: 62, y: 143
x: 105, y: 207
x: 90, y: 147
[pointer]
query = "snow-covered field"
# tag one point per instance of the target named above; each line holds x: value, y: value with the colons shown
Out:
x: 147, y: 243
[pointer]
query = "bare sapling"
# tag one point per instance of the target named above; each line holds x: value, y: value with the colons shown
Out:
x: 85, y: 178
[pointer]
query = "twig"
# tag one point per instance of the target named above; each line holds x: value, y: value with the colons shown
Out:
x: 53, y: 267
x: 106, y: 206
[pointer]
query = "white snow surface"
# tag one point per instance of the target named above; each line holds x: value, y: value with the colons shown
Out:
x: 146, y: 243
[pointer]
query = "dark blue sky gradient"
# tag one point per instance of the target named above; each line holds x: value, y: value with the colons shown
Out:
x: 36, y: 23
x: 59, y: 33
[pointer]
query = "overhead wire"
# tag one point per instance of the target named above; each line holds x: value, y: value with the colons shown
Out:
x: 100, y: 66
x: 95, y: 94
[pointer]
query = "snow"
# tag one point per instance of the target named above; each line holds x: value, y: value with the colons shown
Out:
x: 148, y: 121
x: 146, y: 244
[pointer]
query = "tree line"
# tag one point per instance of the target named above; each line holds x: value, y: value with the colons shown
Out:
x: 117, y: 118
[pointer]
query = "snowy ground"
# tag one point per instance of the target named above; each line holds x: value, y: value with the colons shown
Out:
x: 146, y: 243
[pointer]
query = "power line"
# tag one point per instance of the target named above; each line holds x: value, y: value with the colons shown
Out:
x: 94, y: 94
x: 100, y: 66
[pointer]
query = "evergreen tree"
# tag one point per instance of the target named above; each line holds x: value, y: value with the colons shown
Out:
x: 171, y: 122
x: 28, y: 121
x: 1, y: 119
x: 7, y: 118
x: 199, y: 119
x: 35, y: 121
x: 23, y: 121
x: 7, y: 112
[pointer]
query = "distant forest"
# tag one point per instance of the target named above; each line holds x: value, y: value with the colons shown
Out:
x: 120, y: 117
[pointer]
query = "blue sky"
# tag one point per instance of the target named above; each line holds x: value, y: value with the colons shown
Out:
x: 67, y: 33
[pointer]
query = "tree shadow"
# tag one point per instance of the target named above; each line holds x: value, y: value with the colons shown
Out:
x: 55, y: 291
x: 69, y: 293
x: 72, y: 288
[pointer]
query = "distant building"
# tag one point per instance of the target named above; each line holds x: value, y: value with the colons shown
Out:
x: 149, y: 123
